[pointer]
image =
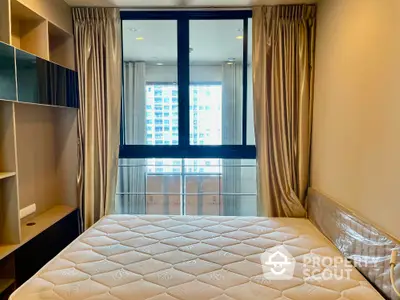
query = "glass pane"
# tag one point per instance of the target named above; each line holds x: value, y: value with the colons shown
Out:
x: 250, y: 107
x: 205, y: 114
x: 196, y: 187
x: 216, y: 67
x: 202, y: 194
x: 131, y: 186
x: 7, y: 73
x: 150, y: 76
x: 144, y: 188
x: 203, y: 165
x: 40, y: 81
x: 28, y: 69
x: 238, y: 187
x: 227, y: 188
x: 163, y: 194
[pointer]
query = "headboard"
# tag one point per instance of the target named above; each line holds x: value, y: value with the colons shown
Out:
x: 362, y: 243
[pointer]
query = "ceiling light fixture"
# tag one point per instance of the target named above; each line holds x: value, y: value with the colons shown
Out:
x: 159, y: 64
x: 239, y: 37
x: 140, y: 38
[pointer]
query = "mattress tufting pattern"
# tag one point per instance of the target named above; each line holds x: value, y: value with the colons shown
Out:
x: 190, y: 257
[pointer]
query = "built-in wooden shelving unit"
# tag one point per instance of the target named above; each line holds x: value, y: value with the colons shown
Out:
x: 38, y: 163
x: 38, y: 129
x: 29, y: 30
x: 61, y: 47
x: 26, y: 25
x: 9, y: 203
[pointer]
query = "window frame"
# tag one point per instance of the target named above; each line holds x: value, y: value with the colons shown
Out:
x: 184, y: 149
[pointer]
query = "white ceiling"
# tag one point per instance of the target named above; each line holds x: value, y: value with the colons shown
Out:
x: 213, y: 41
x: 181, y: 3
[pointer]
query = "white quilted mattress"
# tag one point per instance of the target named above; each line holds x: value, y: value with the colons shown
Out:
x: 186, y: 257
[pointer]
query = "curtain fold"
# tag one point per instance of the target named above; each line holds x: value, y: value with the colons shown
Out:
x: 132, y: 180
x: 231, y: 135
x: 283, y: 57
x: 98, y: 56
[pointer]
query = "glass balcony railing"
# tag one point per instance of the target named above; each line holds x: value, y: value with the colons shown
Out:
x: 187, y: 187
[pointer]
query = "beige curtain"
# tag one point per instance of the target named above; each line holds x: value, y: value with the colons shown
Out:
x: 232, y: 81
x: 283, y: 56
x: 131, y: 187
x: 98, y: 54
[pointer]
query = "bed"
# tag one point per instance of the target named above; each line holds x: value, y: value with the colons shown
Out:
x: 190, y: 257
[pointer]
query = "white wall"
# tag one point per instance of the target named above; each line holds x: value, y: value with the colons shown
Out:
x: 356, y: 130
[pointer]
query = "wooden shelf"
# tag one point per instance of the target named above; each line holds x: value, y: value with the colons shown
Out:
x: 61, y: 47
x: 9, y: 211
x: 5, y: 26
x: 43, y: 221
x: 56, y: 106
x: 6, y: 283
x: 40, y: 27
x: 4, y: 175
x: 29, y: 30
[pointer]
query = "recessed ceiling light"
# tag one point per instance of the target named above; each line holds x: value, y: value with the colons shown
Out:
x: 159, y: 64
x: 229, y: 63
x: 140, y: 38
x: 239, y: 37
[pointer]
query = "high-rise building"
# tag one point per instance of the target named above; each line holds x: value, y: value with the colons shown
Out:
x: 162, y: 124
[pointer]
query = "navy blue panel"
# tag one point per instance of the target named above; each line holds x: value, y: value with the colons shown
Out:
x: 40, y: 81
x: 245, y: 80
x: 27, y: 77
x: 72, y: 89
x: 7, y: 73
x: 224, y: 151
x: 190, y: 14
x: 183, y: 81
